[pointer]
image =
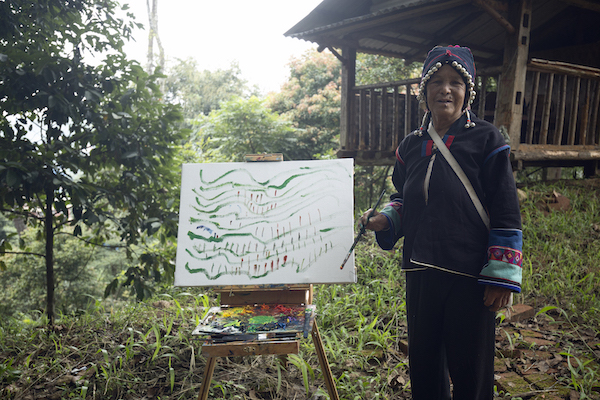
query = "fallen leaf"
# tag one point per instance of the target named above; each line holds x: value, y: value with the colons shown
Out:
x: 396, y: 381
x: 556, y: 360
x: 543, y: 366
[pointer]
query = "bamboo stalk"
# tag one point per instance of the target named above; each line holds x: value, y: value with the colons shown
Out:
x: 532, y: 108
x: 372, y: 144
x: 363, y: 121
x: 546, y: 112
x: 396, y: 130
x: 407, y: 112
x: 584, y: 111
x: 594, y: 126
x: 383, y: 123
x: 562, y: 104
x: 574, y: 107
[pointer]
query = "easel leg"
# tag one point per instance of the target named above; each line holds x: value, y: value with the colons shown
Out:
x: 329, y: 382
x: 208, y: 373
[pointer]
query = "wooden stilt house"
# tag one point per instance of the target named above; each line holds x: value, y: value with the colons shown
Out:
x: 543, y: 57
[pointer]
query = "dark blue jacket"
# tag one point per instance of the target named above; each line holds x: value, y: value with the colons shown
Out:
x: 445, y: 231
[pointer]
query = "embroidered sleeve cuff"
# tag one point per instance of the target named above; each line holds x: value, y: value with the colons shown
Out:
x: 504, y: 259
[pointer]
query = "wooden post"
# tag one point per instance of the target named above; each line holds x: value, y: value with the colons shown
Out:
x: 511, y: 88
x: 347, y: 106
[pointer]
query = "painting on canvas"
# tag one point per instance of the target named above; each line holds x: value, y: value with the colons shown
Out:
x: 265, y: 223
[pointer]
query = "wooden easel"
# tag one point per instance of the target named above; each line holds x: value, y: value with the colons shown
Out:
x: 292, y: 295
x: 243, y: 296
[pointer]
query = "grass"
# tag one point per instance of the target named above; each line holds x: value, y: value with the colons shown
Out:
x: 145, y: 350
x: 562, y: 251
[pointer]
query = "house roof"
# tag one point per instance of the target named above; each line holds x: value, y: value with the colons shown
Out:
x: 561, y: 30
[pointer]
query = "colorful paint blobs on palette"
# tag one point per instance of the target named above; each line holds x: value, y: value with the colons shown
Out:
x: 265, y: 223
x: 255, y: 319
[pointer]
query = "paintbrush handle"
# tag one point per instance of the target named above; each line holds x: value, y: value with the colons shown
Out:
x: 362, y: 229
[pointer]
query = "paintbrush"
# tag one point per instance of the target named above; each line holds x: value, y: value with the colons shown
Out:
x: 362, y: 229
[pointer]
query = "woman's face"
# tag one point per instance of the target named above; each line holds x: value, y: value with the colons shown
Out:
x: 446, y: 94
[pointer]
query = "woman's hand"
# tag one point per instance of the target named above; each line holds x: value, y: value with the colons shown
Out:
x: 496, y: 297
x: 377, y: 222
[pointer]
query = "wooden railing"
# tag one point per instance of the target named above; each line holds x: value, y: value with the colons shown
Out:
x: 381, y: 118
x: 562, y: 106
x: 561, y: 122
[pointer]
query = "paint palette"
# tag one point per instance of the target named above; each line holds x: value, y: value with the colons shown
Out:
x: 257, y: 322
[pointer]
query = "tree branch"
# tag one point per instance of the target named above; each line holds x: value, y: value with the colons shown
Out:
x: 110, y: 246
x: 25, y: 253
x: 21, y: 213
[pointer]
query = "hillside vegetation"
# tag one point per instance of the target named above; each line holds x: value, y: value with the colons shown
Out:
x: 145, y: 350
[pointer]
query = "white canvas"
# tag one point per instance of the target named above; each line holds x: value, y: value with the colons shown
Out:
x: 263, y: 223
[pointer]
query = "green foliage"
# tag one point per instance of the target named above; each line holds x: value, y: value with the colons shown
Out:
x: 146, y: 347
x: 305, y: 369
x: 369, y: 182
x: 200, y: 92
x: 243, y: 127
x: 82, y: 145
x: 311, y: 100
x: 374, y: 69
x: 584, y: 375
x: 563, y: 246
x: 8, y: 374
x: 80, y: 351
x: 81, y: 272
x: 362, y: 324
x: 6, y: 227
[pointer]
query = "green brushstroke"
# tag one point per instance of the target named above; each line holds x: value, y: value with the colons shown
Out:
x: 262, y: 319
x: 220, y: 274
x: 267, y: 183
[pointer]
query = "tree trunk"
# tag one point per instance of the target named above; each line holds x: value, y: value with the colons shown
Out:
x: 49, y: 229
x: 152, y: 35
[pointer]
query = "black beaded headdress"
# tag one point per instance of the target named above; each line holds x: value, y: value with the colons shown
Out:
x: 461, y: 59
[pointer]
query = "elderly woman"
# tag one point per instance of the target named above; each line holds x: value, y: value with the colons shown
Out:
x: 458, y: 211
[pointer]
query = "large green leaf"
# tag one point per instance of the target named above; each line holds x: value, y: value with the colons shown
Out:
x: 13, y: 178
